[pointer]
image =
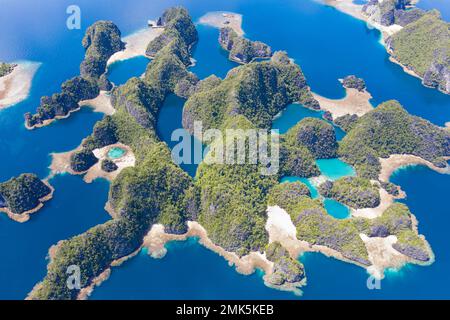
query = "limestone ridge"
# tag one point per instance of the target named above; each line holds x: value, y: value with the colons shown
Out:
x: 241, y: 49
x: 101, y: 41
x: 422, y: 45
x: 155, y: 190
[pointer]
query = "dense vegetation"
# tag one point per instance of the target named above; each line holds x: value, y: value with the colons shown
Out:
x: 346, y: 122
x: 81, y: 161
x: 6, y: 68
x: 315, y: 226
x: 258, y: 91
x: 22, y: 193
x: 286, y: 270
x: 155, y: 190
x: 241, y: 49
x: 316, y: 135
x: 101, y: 41
x: 352, y: 191
x: 424, y: 47
x: 389, y: 129
x: 108, y: 165
x: 179, y: 32
x: 354, y: 82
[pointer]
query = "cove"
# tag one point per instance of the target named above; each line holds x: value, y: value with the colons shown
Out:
x: 119, y: 72
x: 75, y: 207
x: 294, y: 113
x: 170, y: 119
x: 188, y: 271
x: 332, y: 279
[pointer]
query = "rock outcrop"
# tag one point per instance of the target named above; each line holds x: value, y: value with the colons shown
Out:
x: 241, y: 49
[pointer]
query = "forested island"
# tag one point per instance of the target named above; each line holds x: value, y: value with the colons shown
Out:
x: 20, y: 196
x: 231, y: 201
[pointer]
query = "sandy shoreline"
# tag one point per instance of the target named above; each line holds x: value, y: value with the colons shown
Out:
x: 354, y: 102
x: 136, y: 44
x: 25, y: 216
x: 101, y: 104
x: 380, y: 251
x: 397, y: 161
x: 221, y: 19
x: 15, y: 87
x: 61, y: 163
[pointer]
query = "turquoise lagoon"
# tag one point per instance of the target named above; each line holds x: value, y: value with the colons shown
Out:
x: 116, y: 153
x: 325, y: 42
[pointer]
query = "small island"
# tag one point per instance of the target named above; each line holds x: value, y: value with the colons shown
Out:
x: 23, y: 195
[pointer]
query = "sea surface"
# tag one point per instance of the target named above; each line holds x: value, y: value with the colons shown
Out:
x: 326, y: 43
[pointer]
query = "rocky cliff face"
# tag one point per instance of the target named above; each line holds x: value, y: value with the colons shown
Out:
x: 438, y: 76
x: 389, y: 12
x: 241, y: 49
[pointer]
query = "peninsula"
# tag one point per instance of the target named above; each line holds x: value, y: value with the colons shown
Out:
x: 417, y: 40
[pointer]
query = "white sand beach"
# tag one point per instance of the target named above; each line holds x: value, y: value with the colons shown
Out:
x: 221, y: 19
x: 15, y: 87
x: 354, y: 102
x: 381, y: 254
x: 61, y: 163
x: 102, y: 103
x: 127, y: 160
x: 396, y: 161
x: 136, y: 44
x: 157, y: 238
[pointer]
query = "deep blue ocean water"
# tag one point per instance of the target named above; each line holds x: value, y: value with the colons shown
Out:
x: 325, y: 42
x: 121, y: 71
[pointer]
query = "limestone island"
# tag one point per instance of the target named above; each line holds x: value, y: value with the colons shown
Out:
x: 417, y: 40
x: 15, y: 81
x: 101, y: 41
x: 250, y: 219
x: 23, y: 195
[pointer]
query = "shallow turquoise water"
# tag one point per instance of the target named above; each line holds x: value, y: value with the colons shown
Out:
x: 336, y: 209
x: 334, y: 169
x: 116, y: 153
x: 326, y: 52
